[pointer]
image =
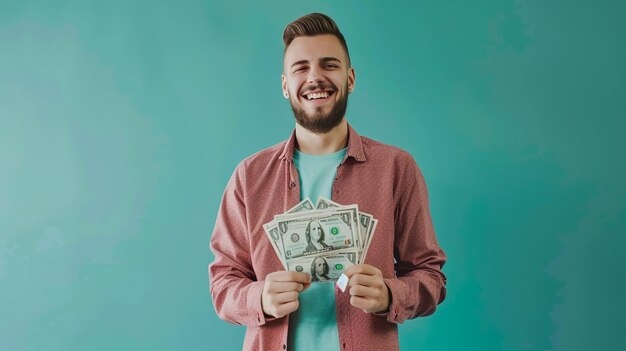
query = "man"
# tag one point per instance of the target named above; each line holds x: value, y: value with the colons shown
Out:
x: 324, y: 156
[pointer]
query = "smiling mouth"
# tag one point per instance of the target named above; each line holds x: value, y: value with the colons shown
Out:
x: 318, y: 96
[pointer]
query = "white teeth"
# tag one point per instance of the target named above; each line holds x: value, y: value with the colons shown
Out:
x: 322, y: 95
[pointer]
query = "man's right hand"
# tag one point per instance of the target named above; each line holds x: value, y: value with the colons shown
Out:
x: 281, y: 290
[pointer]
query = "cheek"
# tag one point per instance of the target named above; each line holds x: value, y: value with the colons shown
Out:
x: 293, y: 87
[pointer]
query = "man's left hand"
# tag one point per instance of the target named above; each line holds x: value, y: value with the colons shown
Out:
x: 367, y: 288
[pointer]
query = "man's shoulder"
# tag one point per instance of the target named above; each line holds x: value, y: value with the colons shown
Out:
x: 262, y: 158
x: 391, y: 161
x: 380, y: 152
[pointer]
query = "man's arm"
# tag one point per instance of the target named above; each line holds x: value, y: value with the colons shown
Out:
x: 234, y: 287
x: 238, y: 296
x: 420, y: 284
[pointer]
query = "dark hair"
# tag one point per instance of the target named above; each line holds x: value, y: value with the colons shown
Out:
x: 311, y: 25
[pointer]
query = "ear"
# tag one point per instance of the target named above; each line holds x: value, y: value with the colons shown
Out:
x: 284, y: 85
x: 351, y: 79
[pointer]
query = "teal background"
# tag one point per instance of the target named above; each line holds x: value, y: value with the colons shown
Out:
x: 121, y: 122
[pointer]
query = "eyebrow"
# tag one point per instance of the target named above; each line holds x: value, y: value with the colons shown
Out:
x: 328, y: 59
x: 323, y: 60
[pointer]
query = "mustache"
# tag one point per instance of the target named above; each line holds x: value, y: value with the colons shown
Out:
x: 319, y: 86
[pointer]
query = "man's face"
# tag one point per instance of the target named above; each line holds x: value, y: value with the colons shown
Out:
x: 317, y: 78
x: 316, y: 232
x: 320, y: 267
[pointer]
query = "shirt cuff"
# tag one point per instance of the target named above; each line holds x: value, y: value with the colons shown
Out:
x: 385, y: 313
x: 394, y: 314
x: 255, y: 304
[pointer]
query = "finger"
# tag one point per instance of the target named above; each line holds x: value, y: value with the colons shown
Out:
x: 278, y: 287
x: 286, y: 308
x: 362, y: 269
x: 361, y: 302
x: 364, y: 291
x: 284, y: 297
x: 286, y: 276
x: 365, y: 280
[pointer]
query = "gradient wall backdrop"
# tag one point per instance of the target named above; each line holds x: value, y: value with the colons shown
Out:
x: 121, y: 122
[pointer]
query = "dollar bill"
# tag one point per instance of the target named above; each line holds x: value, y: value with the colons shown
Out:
x: 271, y: 229
x: 327, y: 228
x: 365, y: 219
x: 323, y: 267
x: 323, y: 203
x: 314, y: 234
x: 304, y: 205
x: 368, y: 241
x: 314, y: 212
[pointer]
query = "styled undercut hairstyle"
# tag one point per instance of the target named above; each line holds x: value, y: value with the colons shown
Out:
x: 311, y: 25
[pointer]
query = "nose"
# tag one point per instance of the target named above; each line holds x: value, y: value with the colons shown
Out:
x: 315, y: 75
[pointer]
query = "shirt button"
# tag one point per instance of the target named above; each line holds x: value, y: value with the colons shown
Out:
x: 284, y: 347
x: 292, y: 184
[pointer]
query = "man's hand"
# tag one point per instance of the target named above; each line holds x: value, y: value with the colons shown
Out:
x: 367, y: 288
x: 281, y: 290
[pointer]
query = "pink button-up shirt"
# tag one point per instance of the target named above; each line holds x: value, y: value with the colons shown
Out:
x: 384, y: 181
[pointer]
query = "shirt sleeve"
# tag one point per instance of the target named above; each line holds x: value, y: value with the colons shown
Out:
x: 235, y: 291
x: 419, y: 285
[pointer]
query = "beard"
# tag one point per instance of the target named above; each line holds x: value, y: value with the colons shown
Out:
x: 320, y: 122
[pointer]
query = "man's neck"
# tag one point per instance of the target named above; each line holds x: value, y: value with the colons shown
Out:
x: 324, y: 143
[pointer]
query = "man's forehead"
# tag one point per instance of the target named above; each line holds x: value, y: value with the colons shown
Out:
x: 314, y: 48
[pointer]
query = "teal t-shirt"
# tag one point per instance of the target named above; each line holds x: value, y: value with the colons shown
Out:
x: 314, y: 325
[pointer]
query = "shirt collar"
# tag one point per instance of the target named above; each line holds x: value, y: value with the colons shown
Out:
x: 355, y: 146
